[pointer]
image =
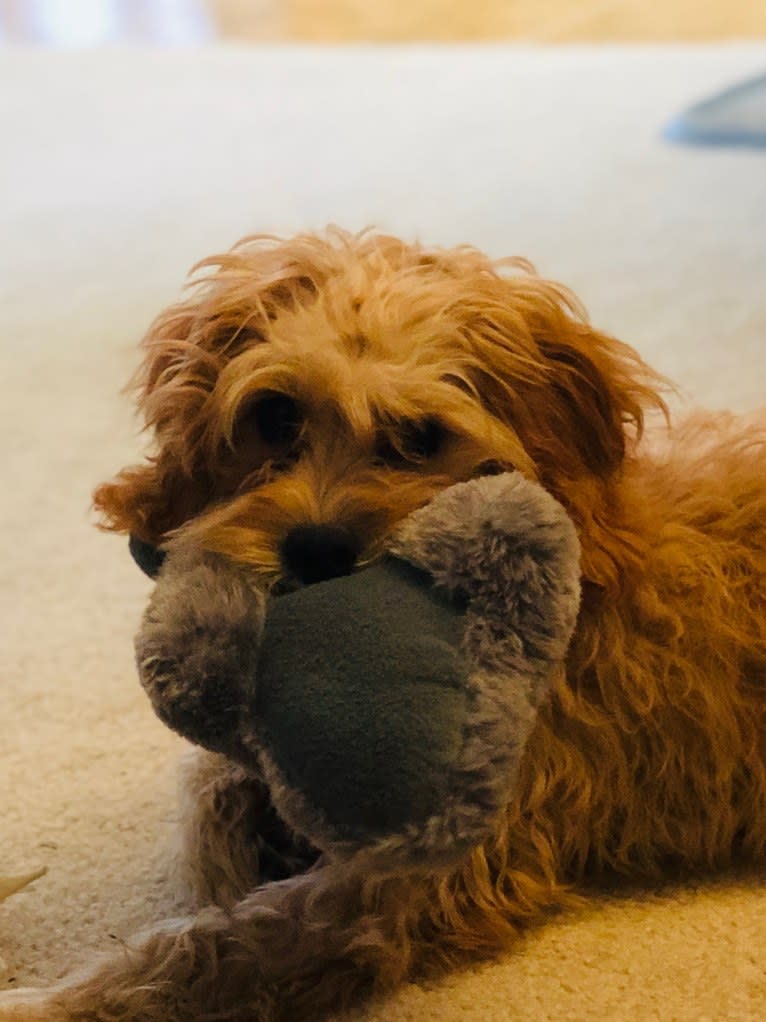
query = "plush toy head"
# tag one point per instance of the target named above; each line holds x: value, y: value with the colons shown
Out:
x: 388, y: 709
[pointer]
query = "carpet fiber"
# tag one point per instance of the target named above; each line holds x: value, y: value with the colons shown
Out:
x: 119, y: 169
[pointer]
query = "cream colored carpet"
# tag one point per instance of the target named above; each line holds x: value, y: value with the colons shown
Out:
x: 117, y: 171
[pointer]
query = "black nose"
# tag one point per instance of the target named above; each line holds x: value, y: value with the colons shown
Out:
x: 149, y: 558
x: 313, y: 553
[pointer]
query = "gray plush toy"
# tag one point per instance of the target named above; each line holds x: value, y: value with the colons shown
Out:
x: 387, y: 710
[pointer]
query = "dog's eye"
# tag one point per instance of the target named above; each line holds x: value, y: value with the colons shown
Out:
x: 411, y: 442
x: 491, y: 468
x: 275, y: 418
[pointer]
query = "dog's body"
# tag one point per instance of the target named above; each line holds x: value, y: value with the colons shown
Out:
x: 341, y: 382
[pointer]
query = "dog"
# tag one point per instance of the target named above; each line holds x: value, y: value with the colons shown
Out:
x: 304, y: 398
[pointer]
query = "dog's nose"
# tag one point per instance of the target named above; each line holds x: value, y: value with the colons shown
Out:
x: 313, y: 553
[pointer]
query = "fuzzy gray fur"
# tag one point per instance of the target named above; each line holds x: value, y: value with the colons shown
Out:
x: 198, y: 646
x: 500, y: 546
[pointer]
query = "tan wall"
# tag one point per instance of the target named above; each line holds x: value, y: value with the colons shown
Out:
x: 401, y: 20
x: 554, y: 20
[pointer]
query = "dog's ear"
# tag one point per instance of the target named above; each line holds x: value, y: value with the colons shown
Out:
x: 185, y: 349
x: 583, y: 414
x: 576, y: 397
x: 171, y: 386
x: 148, y: 501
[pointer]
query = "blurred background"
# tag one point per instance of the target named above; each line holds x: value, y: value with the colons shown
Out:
x: 131, y: 145
x: 76, y: 23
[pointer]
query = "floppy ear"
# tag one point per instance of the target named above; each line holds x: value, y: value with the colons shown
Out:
x: 577, y: 400
x: 588, y: 407
x: 150, y: 500
x: 185, y: 350
x: 576, y: 397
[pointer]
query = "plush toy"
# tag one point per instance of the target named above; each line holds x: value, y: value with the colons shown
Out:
x: 388, y: 709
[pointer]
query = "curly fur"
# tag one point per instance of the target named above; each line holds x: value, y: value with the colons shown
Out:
x: 649, y: 755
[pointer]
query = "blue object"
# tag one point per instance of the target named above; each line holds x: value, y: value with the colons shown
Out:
x: 734, y: 117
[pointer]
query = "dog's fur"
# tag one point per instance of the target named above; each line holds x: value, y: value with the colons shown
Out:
x: 651, y: 754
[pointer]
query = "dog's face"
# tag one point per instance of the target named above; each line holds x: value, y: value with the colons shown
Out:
x: 311, y: 393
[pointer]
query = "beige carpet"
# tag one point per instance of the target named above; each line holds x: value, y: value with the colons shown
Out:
x: 118, y: 170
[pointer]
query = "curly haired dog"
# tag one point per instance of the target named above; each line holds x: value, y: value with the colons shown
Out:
x: 340, y: 382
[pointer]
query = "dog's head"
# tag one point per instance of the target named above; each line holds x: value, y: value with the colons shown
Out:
x: 312, y: 392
